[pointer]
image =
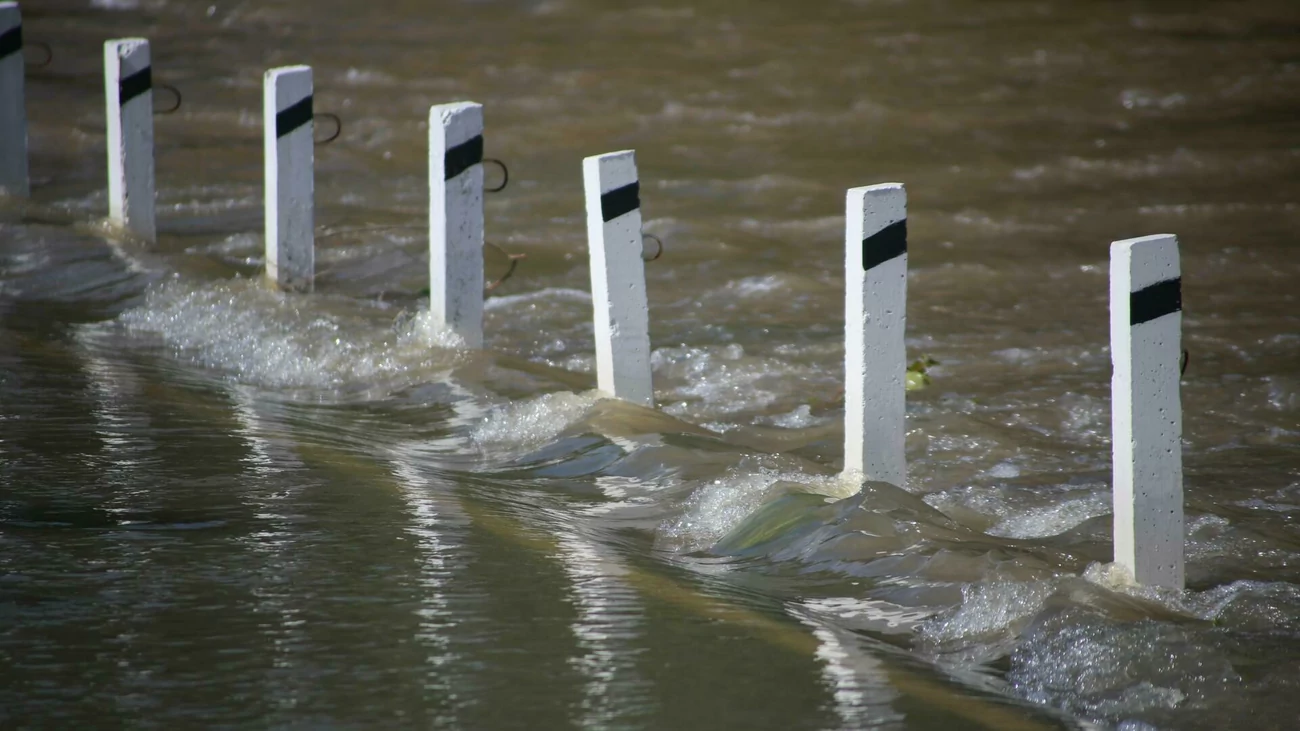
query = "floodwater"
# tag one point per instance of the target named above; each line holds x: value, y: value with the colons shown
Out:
x: 225, y: 507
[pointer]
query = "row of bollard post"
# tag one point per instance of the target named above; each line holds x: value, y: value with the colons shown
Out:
x: 1145, y: 289
x: 1145, y: 334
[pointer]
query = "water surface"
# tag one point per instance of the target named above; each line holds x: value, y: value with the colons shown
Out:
x: 221, y: 505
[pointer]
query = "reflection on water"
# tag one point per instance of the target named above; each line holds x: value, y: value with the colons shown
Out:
x: 859, y: 683
x: 607, y: 631
x: 435, y: 525
x: 224, y: 505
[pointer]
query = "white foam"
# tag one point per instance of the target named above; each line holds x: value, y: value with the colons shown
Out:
x: 550, y: 294
x: 271, y: 339
x: 1052, y: 520
x: 989, y: 612
x: 1012, y: 516
x: 365, y: 77
x: 1102, y: 670
x: 239, y: 243
x: 800, y: 418
x: 1103, y: 667
x: 1017, y: 355
x: 718, y: 506
x: 706, y: 383
x: 876, y: 615
x: 1004, y: 470
x: 1087, y: 418
x: 757, y: 286
x: 1252, y: 606
x: 535, y: 421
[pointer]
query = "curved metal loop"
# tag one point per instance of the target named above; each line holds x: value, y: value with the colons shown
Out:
x: 658, y: 253
x: 1182, y: 363
x: 338, y: 127
x: 175, y: 106
x: 49, y: 54
x: 514, y: 262
x: 505, y: 175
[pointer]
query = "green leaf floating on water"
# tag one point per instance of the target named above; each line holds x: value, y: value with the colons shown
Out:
x: 918, y: 376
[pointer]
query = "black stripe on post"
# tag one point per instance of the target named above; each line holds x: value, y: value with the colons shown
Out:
x: 462, y: 157
x: 620, y: 200
x: 134, y: 85
x: 292, y: 117
x: 888, y: 243
x: 11, y: 42
x: 1156, y: 300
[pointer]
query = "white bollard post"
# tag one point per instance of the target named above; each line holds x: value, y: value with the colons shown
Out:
x: 456, y: 219
x: 875, y: 318
x: 1146, y: 411
x: 13, y: 112
x: 287, y: 146
x: 128, y: 93
x: 618, y: 276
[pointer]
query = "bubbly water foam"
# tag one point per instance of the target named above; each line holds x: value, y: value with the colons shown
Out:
x: 719, y: 505
x: 268, y: 338
x: 533, y: 422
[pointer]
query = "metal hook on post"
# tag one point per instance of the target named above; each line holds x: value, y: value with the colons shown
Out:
x: 658, y: 253
x: 338, y: 127
x: 175, y: 106
x: 49, y: 54
x: 505, y: 175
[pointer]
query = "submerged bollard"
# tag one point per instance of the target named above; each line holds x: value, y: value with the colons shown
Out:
x: 290, y: 189
x: 1146, y: 411
x: 13, y: 112
x: 456, y: 219
x: 618, y: 276
x: 128, y: 87
x: 875, y: 317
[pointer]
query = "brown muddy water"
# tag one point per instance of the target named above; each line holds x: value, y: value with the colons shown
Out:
x: 225, y: 507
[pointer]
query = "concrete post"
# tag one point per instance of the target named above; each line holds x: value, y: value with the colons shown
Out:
x: 875, y: 317
x: 128, y: 94
x: 622, y: 322
x: 290, y: 187
x: 456, y: 219
x: 1146, y: 410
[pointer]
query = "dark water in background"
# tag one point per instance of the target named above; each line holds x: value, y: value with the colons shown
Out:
x: 220, y: 506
